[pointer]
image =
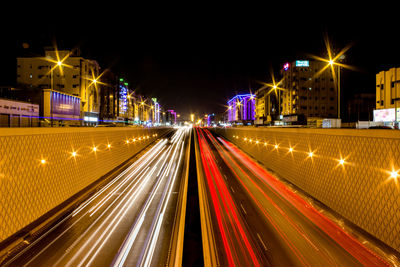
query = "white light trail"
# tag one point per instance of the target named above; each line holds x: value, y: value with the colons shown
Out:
x: 117, y: 218
x: 147, y: 253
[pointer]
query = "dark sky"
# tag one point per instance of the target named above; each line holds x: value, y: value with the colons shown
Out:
x: 194, y: 58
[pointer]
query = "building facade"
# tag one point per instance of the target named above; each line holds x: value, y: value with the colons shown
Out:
x: 18, y: 114
x: 310, y: 90
x: 241, y: 109
x: 388, y: 89
x: 264, y: 111
x: 388, y: 96
x: 66, y: 72
x: 108, y: 98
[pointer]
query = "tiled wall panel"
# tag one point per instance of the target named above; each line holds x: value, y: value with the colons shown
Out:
x: 362, y: 189
x: 29, y: 188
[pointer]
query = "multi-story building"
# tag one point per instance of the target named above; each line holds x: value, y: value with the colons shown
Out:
x: 55, y: 108
x: 388, y: 89
x: 145, y: 109
x: 15, y: 113
x: 170, y: 117
x: 264, y: 103
x: 241, y: 109
x: 309, y: 91
x: 388, y: 96
x: 156, y: 112
x: 109, y: 98
x: 66, y: 72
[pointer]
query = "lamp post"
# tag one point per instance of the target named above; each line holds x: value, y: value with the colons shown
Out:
x: 59, y: 64
x: 331, y: 62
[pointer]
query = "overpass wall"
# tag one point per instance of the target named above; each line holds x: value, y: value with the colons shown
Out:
x: 29, y: 188
x: 361, y: 190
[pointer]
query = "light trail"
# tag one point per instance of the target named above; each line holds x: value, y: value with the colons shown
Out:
x: 131, y: 238
x: 95, y: 208
x: 138, y: 164
x: 238, y: 247
x: 127, y: 221
x: 145, y: 157
x: 299, y: 208
x: 121, y: 212
x: 349, y: 243
x: 149, y: 252
x: 153, y: 234
x: 116, y: 219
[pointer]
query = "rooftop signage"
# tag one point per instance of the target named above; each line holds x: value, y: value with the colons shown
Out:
x: 302, y: 63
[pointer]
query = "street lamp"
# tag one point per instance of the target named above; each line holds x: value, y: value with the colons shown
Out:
x: 274, y: 88
x: 333, y: 61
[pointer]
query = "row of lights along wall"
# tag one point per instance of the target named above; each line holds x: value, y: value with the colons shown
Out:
x: 342, y: 161
x: 94, y: 149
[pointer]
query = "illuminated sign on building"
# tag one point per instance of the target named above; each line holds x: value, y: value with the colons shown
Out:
x: 123, y: 91
x: 18, y: 108
x: 156, y: 113
x: 386, y: 115
x: 286, y: 66
x: 302, y: 63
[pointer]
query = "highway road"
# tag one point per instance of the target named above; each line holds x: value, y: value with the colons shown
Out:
x: 250, y: 218
x: 135, y: 220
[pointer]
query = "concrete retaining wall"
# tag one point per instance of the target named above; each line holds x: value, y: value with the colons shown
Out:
x: 361, y: 190
x: 30, y: 187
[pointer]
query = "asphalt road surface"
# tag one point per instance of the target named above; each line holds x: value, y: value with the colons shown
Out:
x: 129, y: 222
x: 250, y: 218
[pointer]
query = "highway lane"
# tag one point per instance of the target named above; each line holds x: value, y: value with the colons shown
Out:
x: 130, y: 221
x: 251, y: 218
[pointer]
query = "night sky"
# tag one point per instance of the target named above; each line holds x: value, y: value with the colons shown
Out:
x: 194, y: 58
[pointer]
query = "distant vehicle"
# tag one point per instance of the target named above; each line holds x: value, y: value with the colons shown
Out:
x: 380, y: 127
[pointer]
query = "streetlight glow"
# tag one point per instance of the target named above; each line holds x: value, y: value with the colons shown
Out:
x: 394, y: 174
